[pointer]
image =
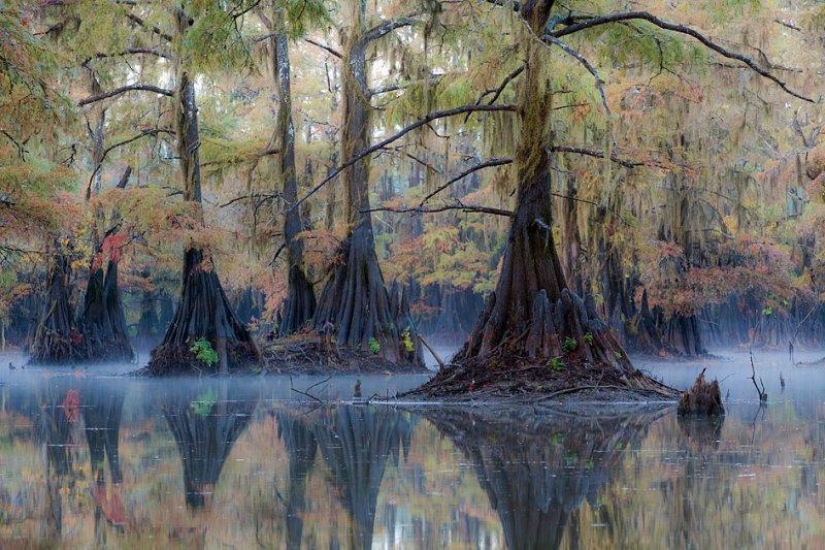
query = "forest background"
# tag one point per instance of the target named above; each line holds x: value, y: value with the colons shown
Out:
x: 687, y: 188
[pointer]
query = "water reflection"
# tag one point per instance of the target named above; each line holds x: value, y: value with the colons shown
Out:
x: 295, y: 430
x: 356, y: 443
x: 114, y: 462
x: 206, y: 421
x: 537, y: 470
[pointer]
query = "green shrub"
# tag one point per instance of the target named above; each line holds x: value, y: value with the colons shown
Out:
x: 588, y: 338
x: 375, y: 346
x: 204, y: 352
x: 202, y: 406
x: 556, y: 364
x: 569, y: 345
x: 407, y: 341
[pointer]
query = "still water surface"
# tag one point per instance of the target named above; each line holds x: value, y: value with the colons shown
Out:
x: 90, y: 460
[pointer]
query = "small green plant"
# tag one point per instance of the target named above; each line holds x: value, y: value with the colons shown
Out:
x: 202, y: 406
x: 204, y: 351
x: 407, y: 341
x: 618, y: 355
x: 556, y: 364
x: 375, y: 346
x: 588, y: 338
x: 569, y: 345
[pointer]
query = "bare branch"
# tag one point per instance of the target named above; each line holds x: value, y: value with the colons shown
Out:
x: 436, y: 209
x: 788, y: 25
x: 710, y: 44
x: 324, y: 47
x: 599, y: 154
x: 263, y: 197
x: 480, y: 166
x: 134, y: 51
x: 387, y: 27
x: 150, y: 132
x: 585, y: 63
x: 154, y: 29
x: 398, y: 135
x: 125, y: 89
x: 496, y: 91
x: 251, y: 158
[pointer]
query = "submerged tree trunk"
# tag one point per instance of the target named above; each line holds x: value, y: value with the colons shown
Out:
x: 204, y: 312
x: 56, y: 339
x: 533, y: 318
x: 299, y: 306
x: 355, y: 300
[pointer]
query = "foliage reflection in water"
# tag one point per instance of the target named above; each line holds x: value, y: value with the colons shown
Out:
x: 119, y: 462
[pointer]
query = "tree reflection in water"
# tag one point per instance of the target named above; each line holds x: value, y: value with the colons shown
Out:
x: 537, y: 470
x: 295, y: 430
x: 356, y: 443
x: 102, y: 407
x: 57, y: 425
x: 206, y: 420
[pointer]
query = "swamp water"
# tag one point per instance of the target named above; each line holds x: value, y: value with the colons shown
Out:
x: 89, y: 459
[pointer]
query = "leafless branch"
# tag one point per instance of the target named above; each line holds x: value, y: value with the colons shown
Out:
x: 584, y: 63
x: 125, y: 89
x: 495, y: 161
x: 705, y: 41
x: 445, y: 208
x: 324, y: 47
x: 435, y: 115
x: 153, y: 29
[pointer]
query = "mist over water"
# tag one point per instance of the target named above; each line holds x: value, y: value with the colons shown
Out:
x: 91, y: 457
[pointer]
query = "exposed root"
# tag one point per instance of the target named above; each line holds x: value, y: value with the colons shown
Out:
x: 503, y: 375
x: 703, y: 399
x: 307, y: 353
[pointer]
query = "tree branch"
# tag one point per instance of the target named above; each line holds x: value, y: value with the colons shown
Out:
x: 324, y: 47
x: 585, y: 63
x: 460, y: 207
x: 134, y: 51
x: 141, y: 23
x: 710, y: 44
x: 250, y: 158
x: 480, y: 166
x: 600, y: 155
x: 398, y: 135
x: 496, y: 91
x: 387, y: 27
x: 151, y: 132
x: 126, y: 89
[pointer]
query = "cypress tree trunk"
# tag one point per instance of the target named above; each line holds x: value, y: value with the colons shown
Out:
x: 204, y: 312
x: 103, y: 324
x: 56, y: 339
x: 355, y: 299
x: 299, y: 306
x: 533, y: 319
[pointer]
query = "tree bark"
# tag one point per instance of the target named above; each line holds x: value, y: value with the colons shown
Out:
x: 204, y: 311
x: 355, y: 299
x: 299, y: 305
x: 532, y: 317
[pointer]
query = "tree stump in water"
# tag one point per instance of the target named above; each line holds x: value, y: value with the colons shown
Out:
x: 703, y: 399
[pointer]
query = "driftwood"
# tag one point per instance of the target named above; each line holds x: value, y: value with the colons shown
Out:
x: 703, y: 399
